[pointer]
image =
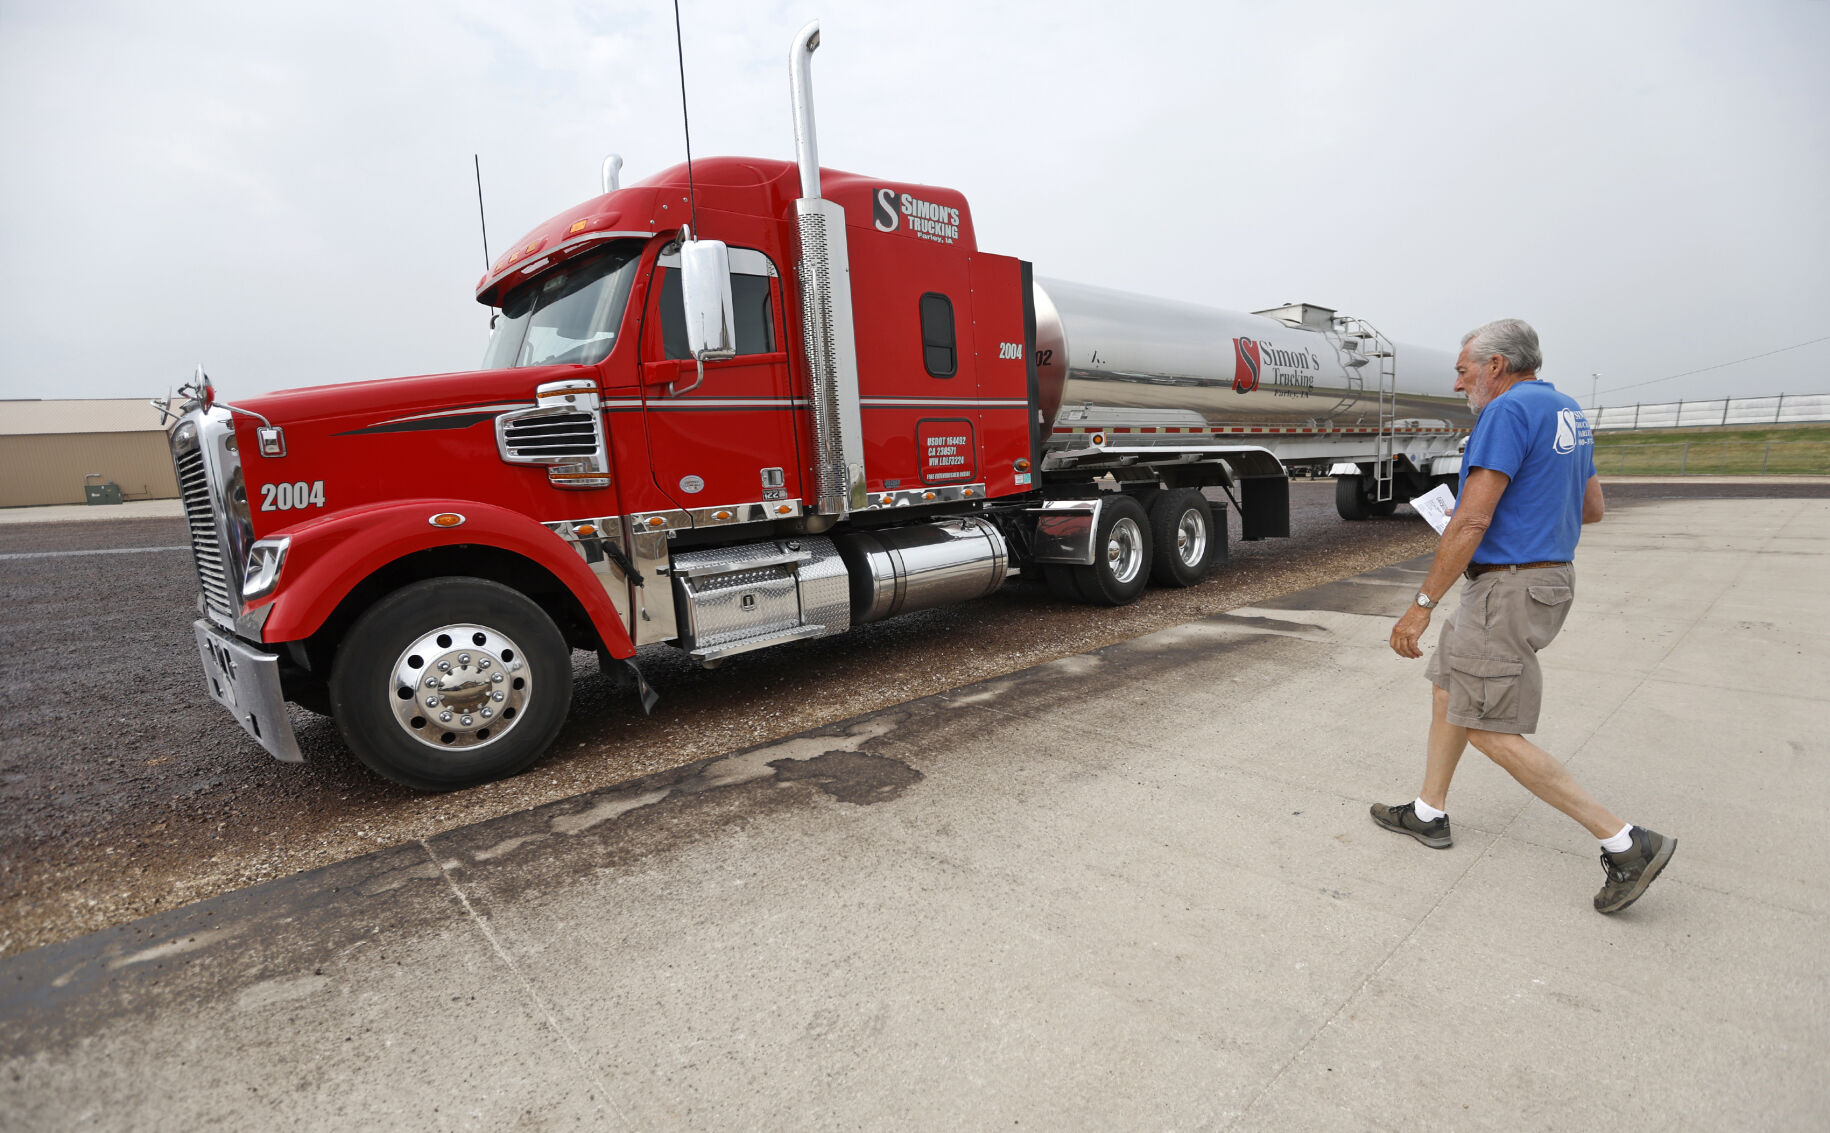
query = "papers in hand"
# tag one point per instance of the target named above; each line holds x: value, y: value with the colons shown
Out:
x: 1435, y: 506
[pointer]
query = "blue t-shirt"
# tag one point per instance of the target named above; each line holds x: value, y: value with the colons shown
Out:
x: 1540, y: 439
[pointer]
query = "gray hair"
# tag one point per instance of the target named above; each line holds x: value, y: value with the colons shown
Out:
x: 1512, y: 339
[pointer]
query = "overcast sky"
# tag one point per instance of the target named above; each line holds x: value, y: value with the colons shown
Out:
x: 285, y: 192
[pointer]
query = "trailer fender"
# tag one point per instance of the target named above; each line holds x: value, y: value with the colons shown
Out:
x: 328, y: 558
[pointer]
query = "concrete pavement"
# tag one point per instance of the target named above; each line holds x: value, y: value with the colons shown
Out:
x: 1135, y: 888
x: 93, y: 513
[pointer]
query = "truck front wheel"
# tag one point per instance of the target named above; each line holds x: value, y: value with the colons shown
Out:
x: 451, y: 682
x: 1121, y: 555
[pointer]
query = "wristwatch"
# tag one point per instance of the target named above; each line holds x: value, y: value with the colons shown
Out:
x: 1426, y: 601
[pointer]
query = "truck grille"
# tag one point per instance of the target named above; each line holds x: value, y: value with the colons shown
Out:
x: 215, y: 507
x: 206, y: 547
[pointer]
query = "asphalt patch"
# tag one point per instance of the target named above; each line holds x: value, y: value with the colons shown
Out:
x: 856, y: 777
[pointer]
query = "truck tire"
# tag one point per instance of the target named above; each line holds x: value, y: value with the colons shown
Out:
x: 1353, y: 498
x: 1182, y: 537
x: 451, y: 682
x: 1350, y: 498
x: 1121, y: 555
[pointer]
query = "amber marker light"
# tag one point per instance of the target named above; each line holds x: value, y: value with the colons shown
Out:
x: 967, y: 492
x: 1099, y: 438
x: 721, y: 515
x: 927, y: 495
x: 782, y: 509
x: 585, y: 529
x: 1023, y: 465
x: 656, y: 521
x: 446, y: 519
x: 580, y: 226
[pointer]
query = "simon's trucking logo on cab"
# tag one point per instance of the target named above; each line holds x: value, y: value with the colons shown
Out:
x: 1293, y: 372
x: 891, y: 210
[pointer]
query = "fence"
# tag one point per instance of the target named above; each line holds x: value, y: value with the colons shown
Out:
x: 1784, y: 409
x: 1714, y: 458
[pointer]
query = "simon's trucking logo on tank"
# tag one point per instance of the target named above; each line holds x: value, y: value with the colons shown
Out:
x: 1292, y: 373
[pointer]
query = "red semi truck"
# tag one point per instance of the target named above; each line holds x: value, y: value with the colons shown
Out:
x: 755, y: 403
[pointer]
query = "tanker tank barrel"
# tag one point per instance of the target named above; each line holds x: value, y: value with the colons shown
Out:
x: 1111, y: 360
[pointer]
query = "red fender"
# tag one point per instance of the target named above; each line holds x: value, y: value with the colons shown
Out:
x: 330, y: 556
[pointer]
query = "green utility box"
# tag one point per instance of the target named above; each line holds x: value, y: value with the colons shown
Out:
x: 108, y: 493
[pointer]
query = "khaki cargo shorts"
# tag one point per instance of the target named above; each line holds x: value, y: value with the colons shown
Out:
x: 1487, y: 656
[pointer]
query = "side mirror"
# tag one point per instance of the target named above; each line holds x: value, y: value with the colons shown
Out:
x: 705, y: 286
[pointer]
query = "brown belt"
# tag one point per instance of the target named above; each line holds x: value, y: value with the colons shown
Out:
x: 1475, y: 570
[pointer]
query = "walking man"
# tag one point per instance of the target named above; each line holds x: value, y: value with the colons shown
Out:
x: 1528, y: 486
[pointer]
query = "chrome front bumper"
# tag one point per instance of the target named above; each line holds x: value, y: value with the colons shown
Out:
x: 247, y: 683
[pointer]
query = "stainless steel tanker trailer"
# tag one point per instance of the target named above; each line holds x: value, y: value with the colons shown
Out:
x: 1127, y: 380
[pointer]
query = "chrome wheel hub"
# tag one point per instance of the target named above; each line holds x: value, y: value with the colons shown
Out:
x: 1124, y: 550
x: 1191, y: 539
x: 459, y: 686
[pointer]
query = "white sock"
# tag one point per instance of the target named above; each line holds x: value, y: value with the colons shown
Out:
x: 1427, y: 812
x: 1621, y: 842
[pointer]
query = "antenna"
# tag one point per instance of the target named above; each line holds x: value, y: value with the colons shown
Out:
x: 475, y: 160
x: 692, y: 198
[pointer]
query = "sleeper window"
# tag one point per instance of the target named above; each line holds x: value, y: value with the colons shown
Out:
x: 939, y: 352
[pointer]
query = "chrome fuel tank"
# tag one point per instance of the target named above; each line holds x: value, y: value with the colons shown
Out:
x: 1113, y: 360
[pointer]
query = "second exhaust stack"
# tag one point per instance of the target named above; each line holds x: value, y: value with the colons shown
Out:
x: 827, y: 337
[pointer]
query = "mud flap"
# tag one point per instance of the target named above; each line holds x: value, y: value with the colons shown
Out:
x: 1264, y: 507
x: 607, y: 664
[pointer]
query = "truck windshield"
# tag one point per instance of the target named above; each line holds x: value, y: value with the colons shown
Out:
x: 568, y: 315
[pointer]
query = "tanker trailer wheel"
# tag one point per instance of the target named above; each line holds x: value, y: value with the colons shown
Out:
x: 1121, y: 555
x: 1182, y: 534
x: 451, y: 682
x: 1353, y: 498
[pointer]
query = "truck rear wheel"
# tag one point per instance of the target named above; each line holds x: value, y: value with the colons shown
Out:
x: 1121, y: 555
x: 451, y: 682
x: 1182, y: 531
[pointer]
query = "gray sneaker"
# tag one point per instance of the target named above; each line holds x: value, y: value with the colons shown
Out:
x: 1403, y: 818
x: 1629, y: 873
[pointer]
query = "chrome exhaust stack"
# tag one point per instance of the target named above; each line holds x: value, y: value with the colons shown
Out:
x: 827, y: 335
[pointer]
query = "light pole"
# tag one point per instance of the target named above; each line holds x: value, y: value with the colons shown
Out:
x: 1594, y: 391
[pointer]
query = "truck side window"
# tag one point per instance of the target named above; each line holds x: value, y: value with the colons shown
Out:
x: 938, y: 352
x: 755, y: 315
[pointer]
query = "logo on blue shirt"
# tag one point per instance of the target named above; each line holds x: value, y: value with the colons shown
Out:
x: 1566, y: 432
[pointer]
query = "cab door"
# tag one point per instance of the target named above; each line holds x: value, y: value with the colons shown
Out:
x: 731, y: 441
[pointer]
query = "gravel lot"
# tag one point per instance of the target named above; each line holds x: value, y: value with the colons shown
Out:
x: 127, y: 791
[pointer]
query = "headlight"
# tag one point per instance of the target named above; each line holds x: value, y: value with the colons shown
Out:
x: 265, y: 559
